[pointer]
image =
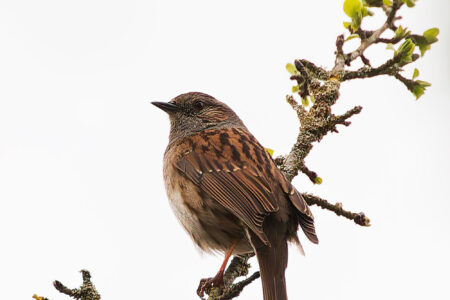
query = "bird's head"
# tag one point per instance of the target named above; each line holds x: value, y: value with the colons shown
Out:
x: 194, y: 112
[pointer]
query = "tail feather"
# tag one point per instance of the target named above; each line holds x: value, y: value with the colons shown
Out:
x: 272, y: 264
x: 272, y: 272
x: 296, y: 241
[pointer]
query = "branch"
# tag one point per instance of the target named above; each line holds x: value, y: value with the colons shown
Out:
x: 358, y: 218
x: 238, y: 267
x: 315, y: 71
x: 315, y: 124
x: 367, y: 39
x: 87, y: 290
x: 365, y: 43
x: 322, y: 87
x: 392, y: 67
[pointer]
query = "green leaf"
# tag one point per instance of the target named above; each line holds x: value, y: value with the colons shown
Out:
x: 423, y: 49
x: 347, y: 24
x: 405, y: 51
x: 356, y: 22
x: 410, y: 3
x: 419, y: 87
x: 318, y: 180
x: 387, y: 2
x: 415, y: 74
x: 356, y: 11
x: 401, y: 32
x: 423, y: 83
x: 366, y: 12
x: 291, y: 69
x: 295, y: 88
x: 352, y: 36
x: 423, y: 42
x: 305, y: 102
x: 270, y: 151
x: 352, y: 7
x: 431, y: 34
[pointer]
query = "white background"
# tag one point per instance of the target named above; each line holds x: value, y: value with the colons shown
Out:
x: 81, y: 146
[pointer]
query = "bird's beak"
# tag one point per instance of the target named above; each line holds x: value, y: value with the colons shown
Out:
x: 166, y: 106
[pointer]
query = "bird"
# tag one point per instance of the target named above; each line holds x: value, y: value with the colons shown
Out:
x: 227, y: 192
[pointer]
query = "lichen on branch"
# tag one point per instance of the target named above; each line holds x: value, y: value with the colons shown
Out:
x: 87, y: 291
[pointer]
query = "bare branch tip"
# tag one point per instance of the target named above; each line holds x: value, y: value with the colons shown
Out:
x: 362, y: 220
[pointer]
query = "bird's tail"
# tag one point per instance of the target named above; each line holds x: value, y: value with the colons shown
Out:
x: 272, y: 264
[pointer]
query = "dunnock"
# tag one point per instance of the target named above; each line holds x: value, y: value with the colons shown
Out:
x: 227, y: 192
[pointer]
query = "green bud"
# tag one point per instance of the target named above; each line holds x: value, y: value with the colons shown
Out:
x: 405, y: 51
x: 351, y: 37
x: 352, y: 7
x: 270, y: 151
x: 401, y: 32
x: 423, y: 42
x: 431, y: 34
x: 410, y: 3
x: 356, y: 11
x: 419, y: 87
x: 291, y: 69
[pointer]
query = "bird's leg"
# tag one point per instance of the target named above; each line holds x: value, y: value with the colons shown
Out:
x: 207, y: 283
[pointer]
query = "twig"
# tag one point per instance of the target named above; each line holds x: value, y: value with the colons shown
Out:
x: 358, y: 218
x: 315, y: 71
x: 340, y: 56
x: 367, y: 39
x: 315, y: 124
x: 238, y: 287
x: 86, y: 292
x: 377, y: 33
x: 391, y: 67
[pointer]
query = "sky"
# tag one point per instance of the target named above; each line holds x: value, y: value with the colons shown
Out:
x: 81, y: 146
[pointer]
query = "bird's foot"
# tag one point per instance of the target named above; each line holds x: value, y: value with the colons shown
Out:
x: 206, y: 284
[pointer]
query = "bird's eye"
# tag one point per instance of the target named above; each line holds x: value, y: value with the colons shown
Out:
x: 199, y: 104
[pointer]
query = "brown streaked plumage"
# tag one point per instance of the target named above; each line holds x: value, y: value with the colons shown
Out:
x: 227, y: 192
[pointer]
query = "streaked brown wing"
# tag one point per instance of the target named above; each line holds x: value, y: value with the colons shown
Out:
x: 306, y: 219
x: 238, y: 187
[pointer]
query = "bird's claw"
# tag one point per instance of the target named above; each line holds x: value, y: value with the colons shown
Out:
x: 206, y: 284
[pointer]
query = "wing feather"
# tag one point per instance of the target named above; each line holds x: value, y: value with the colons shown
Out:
x: 243, y: 192
x: 238, y: 182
